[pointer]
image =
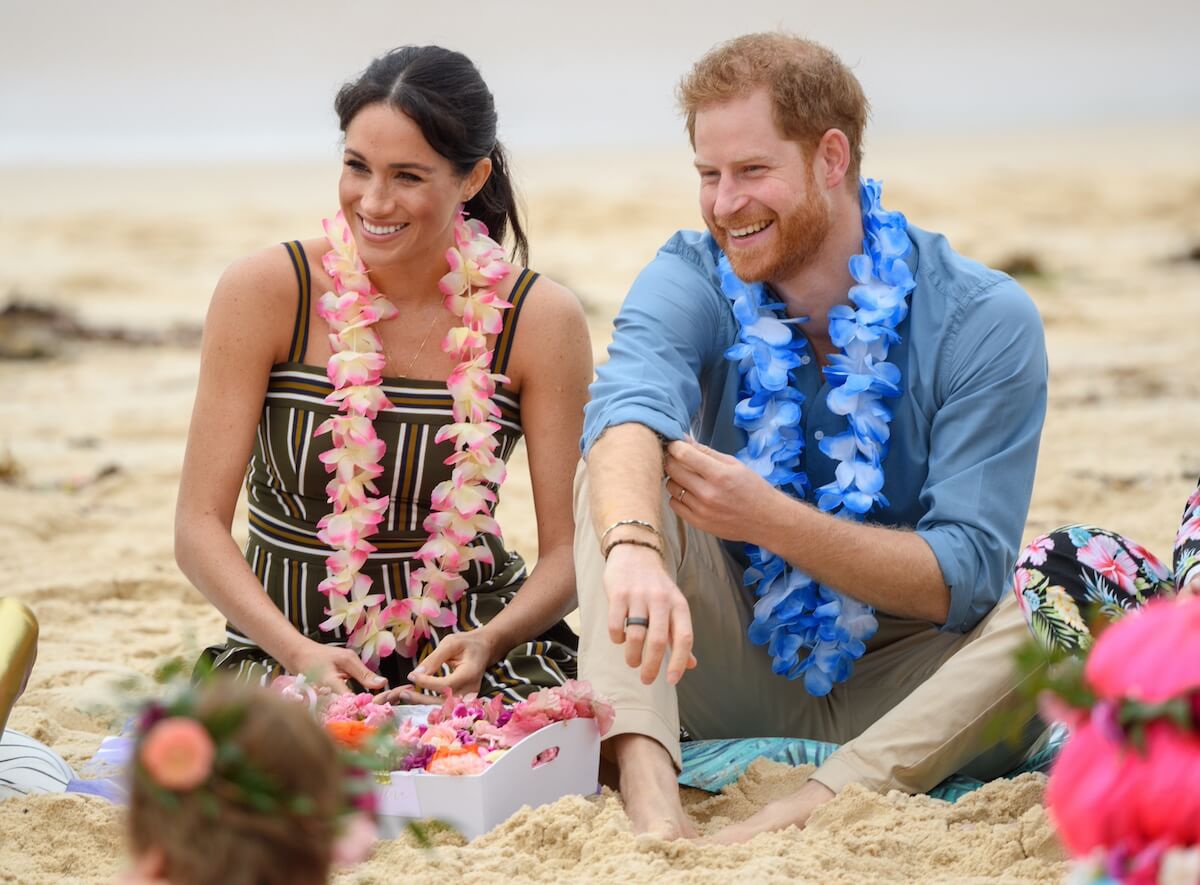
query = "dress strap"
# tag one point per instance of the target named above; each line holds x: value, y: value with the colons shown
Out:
x: 504, y: 340
x: 304, y: 284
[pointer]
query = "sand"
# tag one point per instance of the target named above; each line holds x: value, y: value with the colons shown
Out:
x: 91, y: 438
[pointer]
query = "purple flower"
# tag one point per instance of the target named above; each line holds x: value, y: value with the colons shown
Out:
x: 418, y: 758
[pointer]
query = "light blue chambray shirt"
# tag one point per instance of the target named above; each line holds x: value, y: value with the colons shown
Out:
x: 965, y: 433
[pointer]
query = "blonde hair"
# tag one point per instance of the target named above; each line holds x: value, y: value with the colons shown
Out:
x: 811, y: 89
x: 214, y: 835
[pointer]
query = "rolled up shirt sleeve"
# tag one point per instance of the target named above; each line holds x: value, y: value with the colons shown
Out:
x: 983, y: 448
x: 666, y: 332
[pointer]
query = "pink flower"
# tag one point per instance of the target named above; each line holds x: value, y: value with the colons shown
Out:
x: 461, y: 341
x: 533, y: 714
x: 348, y: 429
x: 478, y: 466
x: 359, y: 707
x: 460, y: 529
x: 449, y: 556
x: 295, y: 688
x: 1020, y: 583
x: 1105, y: 794
x: 440, y: 734
x: 353, y: 458
x: 1189, y: 531
x: 428, y: 613
x: 347, y: 611
x: 470, y: 436
x: 481, y: 310
x: 443, y: 585
x: 402, y: 632
x: 1036, y: 552
x: 350, y: 368
x: 338, y: 310
x: 178, y: 753
x: 372, y: 640
x: 354, y: 491
x: 360, y: 400
x: 1150, y: 655
x: 465, y: 497
x: 472, y: 385
x: 408, y: 733
x: 587, y: 705
x: 346, y: 529
x: 1105, y: 555
x: 1089, y: 794
x: 355, y: 840
x: 351, y: 559
x: 490, y: 736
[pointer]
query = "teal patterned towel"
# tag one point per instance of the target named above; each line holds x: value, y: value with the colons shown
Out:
x: 713, y: 765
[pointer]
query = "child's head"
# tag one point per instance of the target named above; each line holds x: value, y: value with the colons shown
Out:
x: 233, y: 784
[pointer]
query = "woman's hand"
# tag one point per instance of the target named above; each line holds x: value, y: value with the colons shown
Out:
x: 406, y: 694
x: 332, y: 666
x: 467, y: 655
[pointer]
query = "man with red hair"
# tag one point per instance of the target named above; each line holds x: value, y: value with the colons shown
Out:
x: 811, y: 354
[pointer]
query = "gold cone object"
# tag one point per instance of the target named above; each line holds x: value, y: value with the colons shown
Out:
x: 18, y: 649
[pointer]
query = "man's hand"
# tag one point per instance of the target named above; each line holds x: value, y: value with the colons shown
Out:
x: 637, y: 586
x: 717, y: 493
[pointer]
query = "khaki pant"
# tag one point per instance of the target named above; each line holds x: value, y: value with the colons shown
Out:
x: 913, y: 712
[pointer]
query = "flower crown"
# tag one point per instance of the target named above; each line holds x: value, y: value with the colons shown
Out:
x: 184, y: 748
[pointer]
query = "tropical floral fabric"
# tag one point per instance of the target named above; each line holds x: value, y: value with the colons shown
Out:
x: 1187, y: 540
x: 1067, y: 576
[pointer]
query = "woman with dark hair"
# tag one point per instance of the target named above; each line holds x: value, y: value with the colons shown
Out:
x: 375, y: 381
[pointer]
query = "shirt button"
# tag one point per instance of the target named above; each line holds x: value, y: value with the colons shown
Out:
x: 819, y: 435
x: 805, y: 360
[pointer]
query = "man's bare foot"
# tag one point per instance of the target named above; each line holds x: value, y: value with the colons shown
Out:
x: 649, y: 788
x: 778, y: 815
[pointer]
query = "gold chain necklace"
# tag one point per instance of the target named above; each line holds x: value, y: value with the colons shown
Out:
x: 421, y: 347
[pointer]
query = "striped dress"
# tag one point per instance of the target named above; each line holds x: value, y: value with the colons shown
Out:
x: 285, y: 487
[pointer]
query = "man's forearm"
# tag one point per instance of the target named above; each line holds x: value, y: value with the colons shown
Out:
x: 625, y: 471
x: 890, y: 569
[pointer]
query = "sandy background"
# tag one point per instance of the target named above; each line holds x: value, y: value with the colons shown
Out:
x: 91, y: 437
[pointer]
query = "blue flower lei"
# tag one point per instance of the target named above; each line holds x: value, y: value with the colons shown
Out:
x: 794, y: 612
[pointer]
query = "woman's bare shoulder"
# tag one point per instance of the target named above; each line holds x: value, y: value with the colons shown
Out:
x: 552, y: 332
x: 550, y: 302
x: 256, y: 300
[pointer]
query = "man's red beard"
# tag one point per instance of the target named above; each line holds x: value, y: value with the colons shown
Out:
x: 796, y: 239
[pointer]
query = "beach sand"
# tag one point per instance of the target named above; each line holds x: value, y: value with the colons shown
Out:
x: 91, y: 438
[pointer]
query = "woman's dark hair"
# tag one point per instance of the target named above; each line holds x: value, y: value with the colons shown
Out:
x: 443, y: 93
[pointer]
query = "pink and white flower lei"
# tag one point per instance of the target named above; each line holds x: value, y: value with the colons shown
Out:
x: 462, y: 506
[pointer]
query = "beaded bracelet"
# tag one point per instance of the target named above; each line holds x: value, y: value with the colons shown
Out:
x: 640, y: 523
x: 635, y: 541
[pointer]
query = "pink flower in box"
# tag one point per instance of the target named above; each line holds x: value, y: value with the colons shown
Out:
x: 1145, y: 656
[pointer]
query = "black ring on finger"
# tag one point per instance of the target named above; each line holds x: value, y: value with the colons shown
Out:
x: 636, y: 622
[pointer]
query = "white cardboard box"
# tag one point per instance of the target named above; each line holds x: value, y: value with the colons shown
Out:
x: 474, y: 804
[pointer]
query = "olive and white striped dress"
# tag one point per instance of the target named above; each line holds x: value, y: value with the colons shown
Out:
x: 285, y: 486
